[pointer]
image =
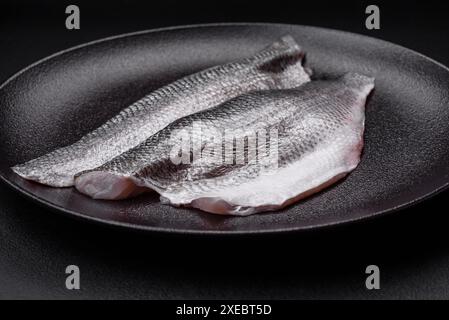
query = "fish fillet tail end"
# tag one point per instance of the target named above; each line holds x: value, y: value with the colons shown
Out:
x: 286, y: 66
x: 50, y: 178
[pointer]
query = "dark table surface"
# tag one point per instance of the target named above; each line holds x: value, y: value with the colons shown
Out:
x: 410, y: 247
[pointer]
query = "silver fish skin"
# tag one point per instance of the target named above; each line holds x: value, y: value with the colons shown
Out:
x: 277, y: 66
x: 319, y: 138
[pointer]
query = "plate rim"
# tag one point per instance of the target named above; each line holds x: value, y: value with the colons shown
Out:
x: 166, y: 230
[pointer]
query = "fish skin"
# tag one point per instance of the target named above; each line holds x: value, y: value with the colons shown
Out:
x: 277, y: 66
x: 320, y: 128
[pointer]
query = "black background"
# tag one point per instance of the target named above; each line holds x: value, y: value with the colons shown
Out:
x: 410, y: 247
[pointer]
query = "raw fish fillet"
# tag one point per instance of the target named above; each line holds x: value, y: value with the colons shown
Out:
x: 277, y: 66
x: 295, y: 143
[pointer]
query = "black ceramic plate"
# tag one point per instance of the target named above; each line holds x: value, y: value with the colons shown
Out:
x: 56, y: 101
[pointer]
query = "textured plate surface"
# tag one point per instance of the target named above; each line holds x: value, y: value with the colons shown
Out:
x: 56, y: 101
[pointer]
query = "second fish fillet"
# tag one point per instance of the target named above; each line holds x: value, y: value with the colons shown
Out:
x: 277, y: 66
